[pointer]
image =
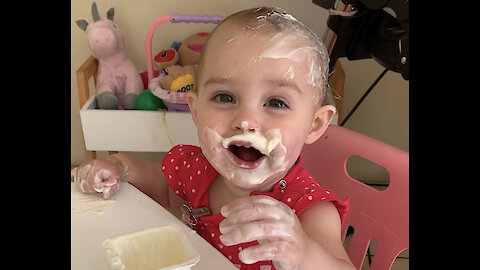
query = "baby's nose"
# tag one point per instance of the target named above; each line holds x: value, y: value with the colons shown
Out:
x: 246, y: 118
x: 246, y: 125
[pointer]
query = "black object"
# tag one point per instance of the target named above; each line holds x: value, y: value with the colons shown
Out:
x: 372, y: 33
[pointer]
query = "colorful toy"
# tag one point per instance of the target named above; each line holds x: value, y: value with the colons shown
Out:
x: 176, y: 101
x: 118, y: 82
x: 182, y: 53
x: 148, y: 102
x: 178, y: 78
x: 166, y: 58
x: 191, y: 49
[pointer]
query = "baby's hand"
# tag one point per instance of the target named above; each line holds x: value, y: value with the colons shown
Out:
x: 99, y: 175
x: 272, y: 223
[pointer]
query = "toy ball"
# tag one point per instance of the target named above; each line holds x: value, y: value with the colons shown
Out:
x: 148, y: 102
x: 166, y: 58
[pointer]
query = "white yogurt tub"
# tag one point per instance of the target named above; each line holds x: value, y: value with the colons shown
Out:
x: 161, y: 248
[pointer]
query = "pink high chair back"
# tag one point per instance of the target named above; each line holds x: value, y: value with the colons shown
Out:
x: 374, y: 214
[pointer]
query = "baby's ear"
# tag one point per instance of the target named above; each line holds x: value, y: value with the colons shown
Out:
x: 320, y: 122
x: 192, y: 99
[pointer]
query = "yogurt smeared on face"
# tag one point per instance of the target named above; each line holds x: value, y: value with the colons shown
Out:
x: 260, y: 143
x: 245, y: 159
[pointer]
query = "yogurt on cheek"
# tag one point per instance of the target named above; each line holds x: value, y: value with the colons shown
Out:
x: 215, y: 148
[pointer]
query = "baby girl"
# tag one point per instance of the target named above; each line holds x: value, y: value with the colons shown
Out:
x: 260, y: 96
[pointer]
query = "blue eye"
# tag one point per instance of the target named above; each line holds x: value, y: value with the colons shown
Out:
x: 223, y: 98
x: 276, y: 104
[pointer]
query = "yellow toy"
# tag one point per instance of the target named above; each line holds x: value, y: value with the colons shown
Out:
x: 177, y: 69
x: 179, y: 79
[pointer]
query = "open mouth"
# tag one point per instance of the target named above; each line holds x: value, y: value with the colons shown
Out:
x: 244, y: 155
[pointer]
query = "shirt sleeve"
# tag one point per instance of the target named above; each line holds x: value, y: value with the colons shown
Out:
x: 175, y: 166
x: 322, y: 195
x: 188, y: 173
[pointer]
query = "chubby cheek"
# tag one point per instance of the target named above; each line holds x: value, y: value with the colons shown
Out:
x: 210, y: 142
x: 207, y: 139
x: 205, y: 119
x: 294, y: 144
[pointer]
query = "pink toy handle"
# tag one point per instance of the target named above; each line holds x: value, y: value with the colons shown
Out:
x: 173, y: 18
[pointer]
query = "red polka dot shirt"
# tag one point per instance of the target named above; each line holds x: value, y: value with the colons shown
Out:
x: 189, y: 175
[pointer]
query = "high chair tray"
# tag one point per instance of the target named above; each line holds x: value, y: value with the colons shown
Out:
x: 93, y: 219
x: 135, y: 130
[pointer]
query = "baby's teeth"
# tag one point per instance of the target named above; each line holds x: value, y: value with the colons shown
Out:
x: 238, y: 145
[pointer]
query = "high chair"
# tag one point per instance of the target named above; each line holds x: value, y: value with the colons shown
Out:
x: 373, y: 214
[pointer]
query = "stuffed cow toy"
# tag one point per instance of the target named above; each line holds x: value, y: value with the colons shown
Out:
x: 118, y: 82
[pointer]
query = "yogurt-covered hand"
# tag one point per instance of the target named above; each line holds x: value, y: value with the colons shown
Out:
x: 101, y: 175
x: 272, y: 223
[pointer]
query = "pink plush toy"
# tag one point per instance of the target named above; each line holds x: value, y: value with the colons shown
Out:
x: 118, y: 82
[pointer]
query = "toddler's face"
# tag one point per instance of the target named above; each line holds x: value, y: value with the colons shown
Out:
x: 242, y: 90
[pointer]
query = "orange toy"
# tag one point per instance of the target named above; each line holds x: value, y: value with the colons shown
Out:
x: 191, y: 48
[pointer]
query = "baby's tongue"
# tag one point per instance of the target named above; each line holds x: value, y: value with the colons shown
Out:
x: 245, y: 153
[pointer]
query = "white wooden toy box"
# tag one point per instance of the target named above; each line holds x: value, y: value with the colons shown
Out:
x: 135, y: 130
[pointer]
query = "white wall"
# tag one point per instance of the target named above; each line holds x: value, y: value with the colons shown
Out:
x: 384, y: 114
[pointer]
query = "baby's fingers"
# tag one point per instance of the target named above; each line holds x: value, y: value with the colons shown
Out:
x: 73, y: 171
x: 255, y: 230
x: 251, y: 203
x: 279, y: 251
x: 98, y: 176
x: 109, y: 190
x: 81, y: 176
x: 274, y: 214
